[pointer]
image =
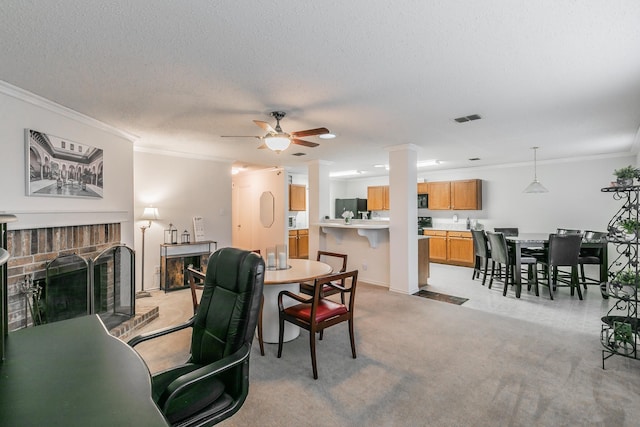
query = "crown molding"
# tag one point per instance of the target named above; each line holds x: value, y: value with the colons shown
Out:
x: 37, y: 100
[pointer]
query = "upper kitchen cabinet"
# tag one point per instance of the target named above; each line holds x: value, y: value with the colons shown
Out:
x: 455, y: 195
x: 297, y: 197
x: 378, y: 198
x: 423, y: 187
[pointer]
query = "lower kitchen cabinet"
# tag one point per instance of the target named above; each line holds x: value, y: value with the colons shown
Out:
x: 450, y: 247
x: 299, y: 243
x: 437, y: 245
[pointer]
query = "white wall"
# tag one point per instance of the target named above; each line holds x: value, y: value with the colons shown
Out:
x: 20, y: 110
x: 180, y: 188
x: 574, y: 199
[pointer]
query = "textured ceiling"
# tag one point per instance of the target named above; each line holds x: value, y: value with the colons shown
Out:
x: 564, y: 76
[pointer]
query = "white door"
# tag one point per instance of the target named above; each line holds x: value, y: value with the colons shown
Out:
x: 242, y: 208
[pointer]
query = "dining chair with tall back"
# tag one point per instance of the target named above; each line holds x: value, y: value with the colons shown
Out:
x: 501, y: 257
x: 507, y: 231
x: 316, y: 313
x: 563, y: 251
x: 591, y: 256
x: 568, y: 231
x: 213, y: 383
x: 482, y: 255
x: 338, y: 262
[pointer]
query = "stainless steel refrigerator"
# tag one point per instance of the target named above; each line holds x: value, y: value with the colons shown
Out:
x: 353, y: 205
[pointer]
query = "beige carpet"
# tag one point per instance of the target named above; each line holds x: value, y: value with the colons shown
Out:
x: 429, y: 363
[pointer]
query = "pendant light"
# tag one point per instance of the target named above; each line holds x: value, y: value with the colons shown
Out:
x: 535, y: 186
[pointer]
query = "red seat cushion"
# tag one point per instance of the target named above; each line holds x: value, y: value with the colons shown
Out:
x: 326, y: 310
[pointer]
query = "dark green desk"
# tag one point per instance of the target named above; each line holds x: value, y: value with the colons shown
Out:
x: 73, y: 373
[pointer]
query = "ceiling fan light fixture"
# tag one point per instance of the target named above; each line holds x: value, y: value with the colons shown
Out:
x: 327, y: 136
x: 278, y: 142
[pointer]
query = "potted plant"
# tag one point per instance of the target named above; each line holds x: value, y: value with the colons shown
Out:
x: 625, y: 175
x: 347, y: 215
x: 630, y: 227
x: 627, y: 277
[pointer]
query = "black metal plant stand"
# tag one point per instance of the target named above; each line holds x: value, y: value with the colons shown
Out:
x: 620, y: 326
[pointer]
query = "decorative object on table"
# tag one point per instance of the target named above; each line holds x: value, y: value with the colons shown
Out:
x: 149, y: 214
x: 198, y: 228
x: 185, y: 237
x: 171, y: 235
x: 282, y: 254
x: 347, y: 215
x: 625, y: 175
x: 58, y: 167
x: 535, y: 186
x: 271, y: 258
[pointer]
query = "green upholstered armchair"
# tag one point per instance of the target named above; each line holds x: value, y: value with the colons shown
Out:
x: 213, y: 384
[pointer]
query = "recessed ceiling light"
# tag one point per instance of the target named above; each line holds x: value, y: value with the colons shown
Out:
x: 326, y: 136
x: 345, y: 173
x: 424, y: 163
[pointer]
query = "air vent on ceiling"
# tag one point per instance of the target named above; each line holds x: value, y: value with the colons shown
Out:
x: 474, y: 159
x: 299, y: 154
x: 468, y: 118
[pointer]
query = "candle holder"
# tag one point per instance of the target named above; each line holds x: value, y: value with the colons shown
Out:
x: 282, y: 256
x: 271, y: 258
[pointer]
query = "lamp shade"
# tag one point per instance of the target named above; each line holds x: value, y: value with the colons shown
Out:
x: 535, y: 187
x: 277, y: 142
x: 150, y: 214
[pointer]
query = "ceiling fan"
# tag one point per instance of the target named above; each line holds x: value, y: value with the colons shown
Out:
x: 278, y: 140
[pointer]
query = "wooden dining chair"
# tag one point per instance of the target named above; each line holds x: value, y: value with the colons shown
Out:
x: 196, y: 283
x: 315, y: 313
x: 482, y: 255
x: 339, y: 263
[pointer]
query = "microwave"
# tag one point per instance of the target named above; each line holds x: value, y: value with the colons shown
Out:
x: 423, y: 201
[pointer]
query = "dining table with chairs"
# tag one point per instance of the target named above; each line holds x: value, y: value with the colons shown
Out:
x: 524, y: 243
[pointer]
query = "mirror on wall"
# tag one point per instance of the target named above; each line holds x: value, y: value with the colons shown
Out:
x: 267, y: 208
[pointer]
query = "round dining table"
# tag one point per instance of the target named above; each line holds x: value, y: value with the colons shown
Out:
x: 300, y: 270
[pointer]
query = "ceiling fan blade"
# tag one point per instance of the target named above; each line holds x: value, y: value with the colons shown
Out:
x: 240, y: 136
x: 264, y: 125
x: 310, y: 132
x: 303, y: 142
x: 262, y: 146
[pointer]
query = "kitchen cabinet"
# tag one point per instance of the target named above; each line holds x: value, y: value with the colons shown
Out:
x: 299, y: 243
x: 455, y: 195
x: 450, y: 247
x: 423, y: 187
x: 423, y: 261
x: 378, y: 198
x: 437, y: 245
x: 460, y: 248
x: 297, y: 197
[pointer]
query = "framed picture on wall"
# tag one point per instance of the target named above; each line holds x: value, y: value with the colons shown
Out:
x: 58, y: 167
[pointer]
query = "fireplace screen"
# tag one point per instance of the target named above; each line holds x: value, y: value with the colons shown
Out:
x: 75, y: 287
x: 66, y: 293
x: 113, y: 285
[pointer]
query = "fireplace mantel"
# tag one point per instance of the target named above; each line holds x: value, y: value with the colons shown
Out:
x: 62, y: 218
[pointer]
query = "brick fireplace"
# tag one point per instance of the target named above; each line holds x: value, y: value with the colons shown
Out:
x: 31, y: 250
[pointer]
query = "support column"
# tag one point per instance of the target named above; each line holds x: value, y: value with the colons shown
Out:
x: 319, y: 203
x: 403, y: 217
